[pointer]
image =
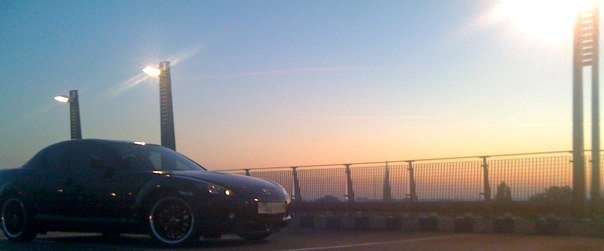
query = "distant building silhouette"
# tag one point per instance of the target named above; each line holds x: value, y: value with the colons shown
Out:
x: 387, y: 192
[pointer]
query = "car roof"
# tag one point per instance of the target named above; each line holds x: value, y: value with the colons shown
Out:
x: 106, y: 141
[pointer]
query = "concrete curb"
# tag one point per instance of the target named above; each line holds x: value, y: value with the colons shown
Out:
x: 466, y: 224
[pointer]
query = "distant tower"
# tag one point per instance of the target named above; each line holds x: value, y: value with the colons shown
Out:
x: 387, y: 191
x: 168, y: 138
x: 586, y: 41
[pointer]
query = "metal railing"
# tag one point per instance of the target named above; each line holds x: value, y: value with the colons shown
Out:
x: 527, y: 176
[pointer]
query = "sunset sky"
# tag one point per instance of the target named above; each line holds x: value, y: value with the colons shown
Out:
x: 279, y: 83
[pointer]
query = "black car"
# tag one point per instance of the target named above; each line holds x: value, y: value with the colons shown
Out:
x: 115, y: 187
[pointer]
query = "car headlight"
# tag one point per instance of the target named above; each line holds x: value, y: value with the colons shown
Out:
x: 287, y: 196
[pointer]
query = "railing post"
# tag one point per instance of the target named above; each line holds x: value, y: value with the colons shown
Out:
x: 486, y: 186
x: 247, y: 172
x: 349, y: 189
x: 412, y: 191
x: 297, y: 194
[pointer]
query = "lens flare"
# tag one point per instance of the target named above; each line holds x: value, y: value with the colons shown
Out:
x: 547, y: 20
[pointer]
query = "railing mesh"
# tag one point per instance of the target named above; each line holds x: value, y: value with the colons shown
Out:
x: 283, y: 177
x: 525, y: 176
x: 449, y: 180
x: 322, y: 183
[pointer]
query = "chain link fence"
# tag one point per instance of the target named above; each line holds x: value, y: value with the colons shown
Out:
x: 518, y: 177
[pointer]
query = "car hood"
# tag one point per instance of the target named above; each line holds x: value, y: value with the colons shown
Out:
x: 247, y: 186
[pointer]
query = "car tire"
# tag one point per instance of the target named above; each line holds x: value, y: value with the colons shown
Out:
x: 255, y: 236
x: 172, y: 221
x: 17, y: 220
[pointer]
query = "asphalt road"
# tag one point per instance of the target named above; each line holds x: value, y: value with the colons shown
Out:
x: 302, y: 240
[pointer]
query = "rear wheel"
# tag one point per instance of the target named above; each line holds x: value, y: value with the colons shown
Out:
x: 255, y: 236
x: 172, y: 221
x: 17, y: 221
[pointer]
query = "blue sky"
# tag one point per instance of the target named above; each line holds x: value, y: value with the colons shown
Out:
x: 270, y: 83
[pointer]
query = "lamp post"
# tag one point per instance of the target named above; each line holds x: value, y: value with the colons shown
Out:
x: 74, y: 113
x: 586, y: 54
x: 165, y: 102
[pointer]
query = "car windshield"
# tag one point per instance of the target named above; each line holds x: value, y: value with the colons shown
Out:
x: 153, y: 158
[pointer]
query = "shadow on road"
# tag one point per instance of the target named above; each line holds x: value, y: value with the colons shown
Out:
x: 126, y: 242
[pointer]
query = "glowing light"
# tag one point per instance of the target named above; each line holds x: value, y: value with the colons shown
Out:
x: 587, y: 5
x: 152, y: 71
x: 62, y: 99
x: 544, y: 19
x: 139, y: 143
x: 227, y: 192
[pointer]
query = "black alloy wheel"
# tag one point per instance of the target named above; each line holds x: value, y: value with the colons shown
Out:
x: 17, y: 223
x: 172, y: 221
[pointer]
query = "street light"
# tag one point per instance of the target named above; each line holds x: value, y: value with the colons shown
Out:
x: 166, y: 113
x: 586, y: 54
x: 62, y: 99
x: 152, y: 71
x: 74, y: 113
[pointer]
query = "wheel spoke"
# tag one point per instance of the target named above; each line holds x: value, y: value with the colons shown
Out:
x: 173, y: 219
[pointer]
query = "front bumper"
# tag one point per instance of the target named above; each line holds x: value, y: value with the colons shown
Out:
x: 234, y: 216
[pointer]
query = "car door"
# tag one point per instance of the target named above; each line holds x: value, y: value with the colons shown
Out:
x: 51, y: 183
x: 91, y: 170
x: 106, y: 190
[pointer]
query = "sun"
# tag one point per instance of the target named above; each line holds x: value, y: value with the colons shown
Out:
x: 540, y: 19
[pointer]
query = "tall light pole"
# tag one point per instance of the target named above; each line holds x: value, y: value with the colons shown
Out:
x: 586, y: 50
x: 595, y: 111
x: 74, y: 113
x: 166, y: 112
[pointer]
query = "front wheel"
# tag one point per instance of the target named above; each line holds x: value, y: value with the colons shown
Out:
x: 17, y: 221
x: 255, y: 236
x: 172, y: 221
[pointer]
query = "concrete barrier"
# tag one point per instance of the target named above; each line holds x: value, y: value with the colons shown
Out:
x: 483, y: 225
x: 307, y: 221
x: 393, y: 223
x: 505, y: 224
x: 432, y: 222
x: 445, y: 224
x: 464, y: 224
x: 524, y: 226
x: 332, y: 222
x: 410, y: 223
x: 578, y: 227
x: 547, y: 225
x: 361, y: 222
x: 428, y: 223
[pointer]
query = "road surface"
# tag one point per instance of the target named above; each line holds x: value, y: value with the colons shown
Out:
x: 309, y: 239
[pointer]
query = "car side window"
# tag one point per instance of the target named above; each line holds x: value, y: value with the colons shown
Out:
x: 56, y: 158
x: 79, y: 158
x: 155, y: 159
x: 99, y: 153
